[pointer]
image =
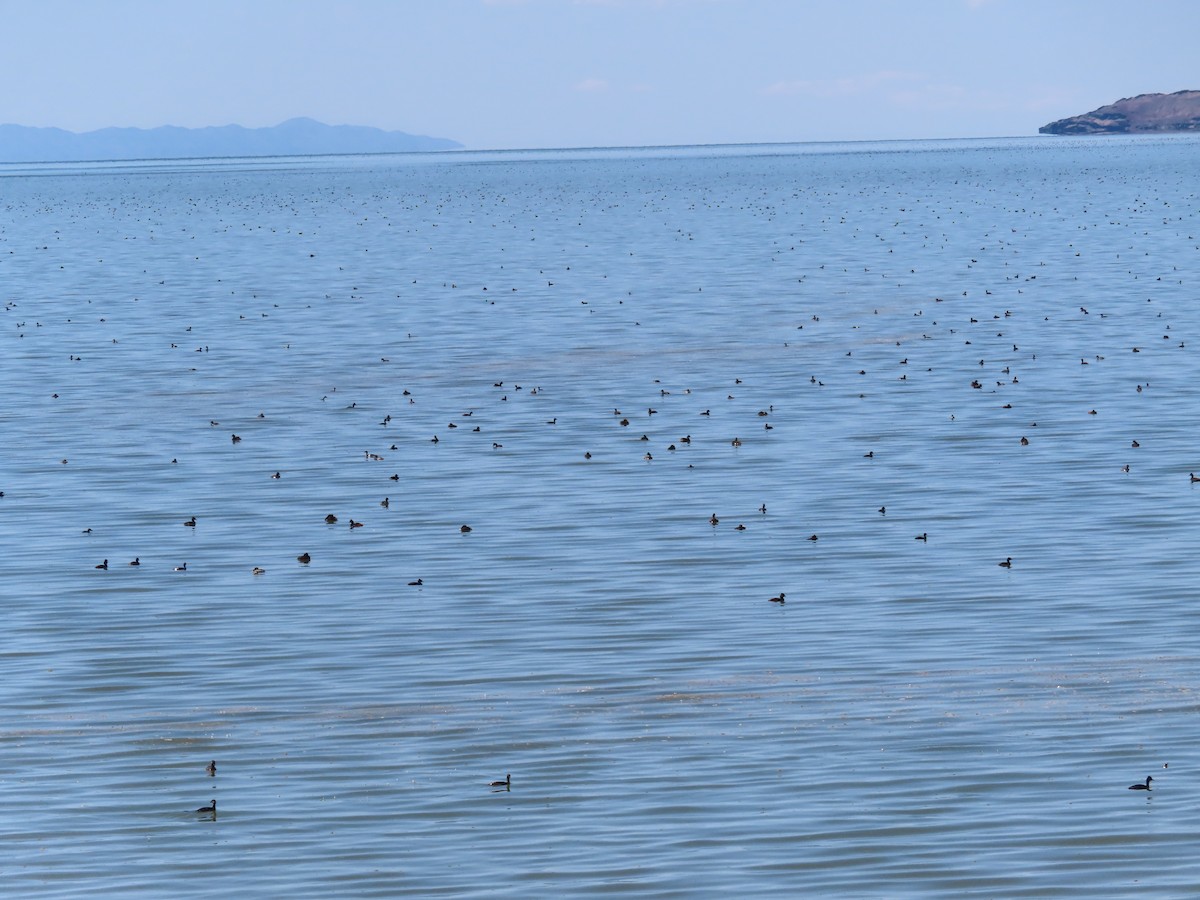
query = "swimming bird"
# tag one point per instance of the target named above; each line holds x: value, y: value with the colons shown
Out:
x: 258, y: 570
x: 208, y: 809
x: 211, y: 768
x: 1007, y: 564
x: 465, y: 529
x: 330, y: 519
x: 236, y: 439
x: 103, y: 565
x: 506, y: 783
x: 304, y: 558
x: 713, y: 520
x: 1142, y: 787
x: 812, y: 537
x: 354, y: 524
x: 137, y: 561
x: 922, y: 537
x: 778, y: 599
x: 1192, y: 476
x: 191, y: 523
x: 416, y: 583
x: 181, y: 568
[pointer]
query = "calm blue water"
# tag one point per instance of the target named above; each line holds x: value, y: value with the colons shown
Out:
x: 806, y: 323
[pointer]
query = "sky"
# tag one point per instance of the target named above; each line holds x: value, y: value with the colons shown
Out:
x: 507, y: 74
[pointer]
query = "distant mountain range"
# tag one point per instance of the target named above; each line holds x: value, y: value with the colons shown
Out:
x: 295, y: 137
x: 1145, y: 113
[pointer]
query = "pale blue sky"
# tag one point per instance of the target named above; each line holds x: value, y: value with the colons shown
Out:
x: 569, y: 73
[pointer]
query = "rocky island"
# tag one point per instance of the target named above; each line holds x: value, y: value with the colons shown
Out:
x: 1143, y: 114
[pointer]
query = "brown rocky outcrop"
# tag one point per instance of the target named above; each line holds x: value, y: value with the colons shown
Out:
x: 1145, y: 113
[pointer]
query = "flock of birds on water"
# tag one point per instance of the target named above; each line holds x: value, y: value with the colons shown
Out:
x: 984, y: 332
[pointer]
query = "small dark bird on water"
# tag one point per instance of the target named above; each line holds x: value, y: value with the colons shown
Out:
x: 465, y: 529
x: 330, y: 519
x: 304, y: 558
x: 506, y: 783
x: 208, y: 809
x: 191, y: 523
x: 1007, y: 564
x: 137, y: 561
x: 416, y: 583
x: 103, y: 565
x: 778, y: 599
x: 922, y: 537
x: 211, y: 768
x: 1142, y: 787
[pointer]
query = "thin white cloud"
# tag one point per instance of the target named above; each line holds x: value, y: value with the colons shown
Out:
x: 842, y: 87
x: 592, y: 85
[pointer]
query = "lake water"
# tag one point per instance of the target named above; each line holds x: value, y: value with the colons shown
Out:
x: 806, y: 322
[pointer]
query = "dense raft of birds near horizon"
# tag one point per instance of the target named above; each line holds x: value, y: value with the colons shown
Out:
x: 997, y: 319
x: 979, y: 320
